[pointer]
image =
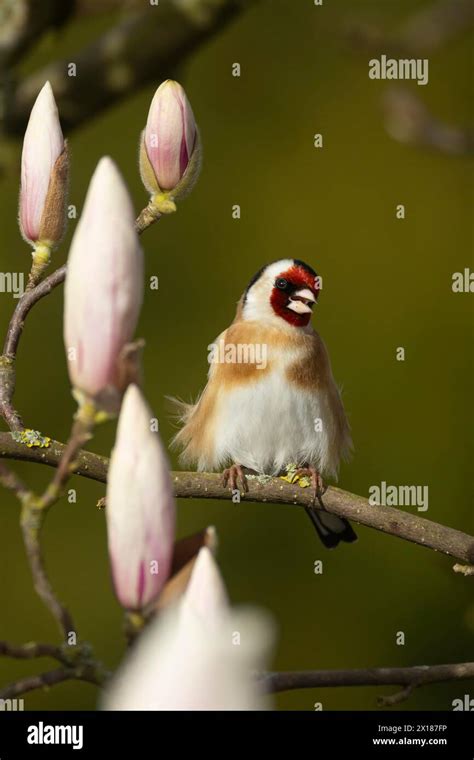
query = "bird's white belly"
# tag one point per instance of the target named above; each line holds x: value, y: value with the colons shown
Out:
x: 270, y: 423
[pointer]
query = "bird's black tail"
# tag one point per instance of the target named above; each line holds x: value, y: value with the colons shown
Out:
x: 330, y: 528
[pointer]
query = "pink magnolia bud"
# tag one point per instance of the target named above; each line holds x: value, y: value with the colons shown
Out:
x: 200, y: 656
x: 140, y: 507
x: 170, y: 149
x: 44, y: 174
x: 104, y: 288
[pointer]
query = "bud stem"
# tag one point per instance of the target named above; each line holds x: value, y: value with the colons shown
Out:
x: 134, y: 623
x: 41, y: 258
x: 147, y: 217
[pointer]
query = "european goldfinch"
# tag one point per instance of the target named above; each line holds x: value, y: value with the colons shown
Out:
x: 271, y: 398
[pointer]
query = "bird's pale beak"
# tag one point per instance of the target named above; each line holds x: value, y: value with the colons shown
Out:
x: 302, y: 301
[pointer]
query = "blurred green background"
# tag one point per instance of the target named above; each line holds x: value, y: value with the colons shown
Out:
x: 387, y: 283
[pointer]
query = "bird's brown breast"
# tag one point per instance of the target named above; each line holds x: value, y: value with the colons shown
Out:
x: 308, y: 369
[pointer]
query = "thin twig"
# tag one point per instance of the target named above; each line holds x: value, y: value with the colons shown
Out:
x: 41, y: 681
x: 409, y: 678
x: 32, y: 650
x: 34, y: 514
x: 50, y: 678
x: 81, y: 433
x: 399, y: 696
x: 78, y: 664
x: 14, y: 332
x: 12, y: 482
x: 31, y: 525
x: 24, y: 306
x: 146, y: 218
x: 7, y: 389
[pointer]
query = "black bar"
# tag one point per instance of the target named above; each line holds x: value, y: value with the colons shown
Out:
x: 304, y: 734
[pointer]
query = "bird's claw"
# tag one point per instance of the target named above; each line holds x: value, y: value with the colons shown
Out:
x: 232, y: 474
x: 316, y: 480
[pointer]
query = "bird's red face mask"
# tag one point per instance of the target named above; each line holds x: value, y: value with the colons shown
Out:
x: 294, y: 294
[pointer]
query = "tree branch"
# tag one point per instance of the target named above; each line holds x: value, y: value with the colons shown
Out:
x: 89, y: 465
x: 191, y: 485
x: 24, y: 21
x: 409, y: 121
x: 145, y: 47
x: 423, y: 32
x: 409, y: 678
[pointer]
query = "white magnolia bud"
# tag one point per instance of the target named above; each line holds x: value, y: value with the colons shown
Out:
x: 140, y: 508
x: 199, y: 656
x: 44, y: 174
x: 104, y: 288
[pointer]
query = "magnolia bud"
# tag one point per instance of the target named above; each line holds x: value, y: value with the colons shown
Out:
x: 44, y: 175
x: 170, y: 149
x: 103, y: 290
x: 205, y: 596
x: 140, y: 507
x: 200, y: 656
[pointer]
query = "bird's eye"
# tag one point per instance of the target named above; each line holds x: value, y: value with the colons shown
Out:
x: 281, y: 283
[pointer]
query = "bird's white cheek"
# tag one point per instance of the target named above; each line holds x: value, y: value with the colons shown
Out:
x: 299, y: 307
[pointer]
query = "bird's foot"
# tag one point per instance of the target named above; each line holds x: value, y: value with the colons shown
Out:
x: 316, y: 480
x: 232, y: 474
